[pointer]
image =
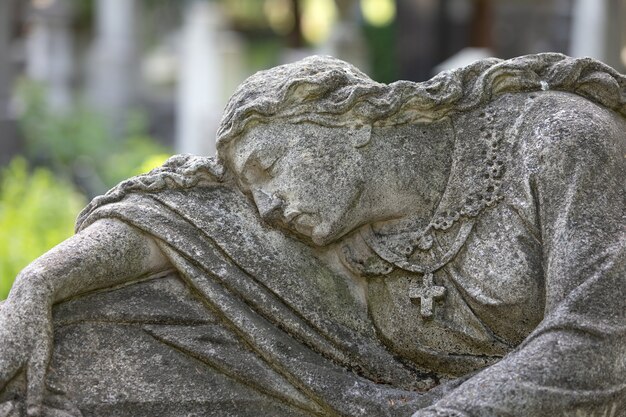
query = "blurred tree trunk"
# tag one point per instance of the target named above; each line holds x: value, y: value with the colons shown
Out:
x: 591, y: 23
x: 9, y: 144
x: 114, y: 70
x: 295, y: 38
x: 482, y: 24
x: 49, y: 51
x: 5, y: 35
x: 598, y: 30
x: 346, y: 39
x: 205, y: 56
x: 616, y: 35
x: 418, y: 44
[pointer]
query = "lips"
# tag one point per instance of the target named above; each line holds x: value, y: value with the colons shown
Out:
x: 291, y: 214
x: 302, y: 222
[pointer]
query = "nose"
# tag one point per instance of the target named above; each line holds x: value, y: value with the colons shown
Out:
x: 269, y: 205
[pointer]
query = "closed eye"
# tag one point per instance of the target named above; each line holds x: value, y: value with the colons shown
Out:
x: 260, y: 168
x: 270, y: 165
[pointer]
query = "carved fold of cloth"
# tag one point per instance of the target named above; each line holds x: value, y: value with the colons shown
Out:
x: 283, y: 325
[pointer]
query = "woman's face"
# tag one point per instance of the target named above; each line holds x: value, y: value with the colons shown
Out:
x: 303, y: 177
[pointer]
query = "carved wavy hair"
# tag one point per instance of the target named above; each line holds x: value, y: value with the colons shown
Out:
x: 331, y: 92
x: 328, y: 91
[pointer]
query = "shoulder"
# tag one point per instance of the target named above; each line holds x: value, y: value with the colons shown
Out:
x: 564, y: 127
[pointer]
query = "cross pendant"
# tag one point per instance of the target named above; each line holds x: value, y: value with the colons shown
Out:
x: 425, y: 294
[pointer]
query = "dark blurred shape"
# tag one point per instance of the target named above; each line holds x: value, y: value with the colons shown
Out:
x: 429, y: 31
x: 530, y: 27
x: 9, y: 142
x: 296, y: 40
x: 481, y: 22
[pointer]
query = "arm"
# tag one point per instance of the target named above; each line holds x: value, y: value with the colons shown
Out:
x: 574, y: 362
x: 105, y: 254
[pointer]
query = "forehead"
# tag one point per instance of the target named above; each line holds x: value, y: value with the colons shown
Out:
x: 269, y: 140
x: 258, y: 141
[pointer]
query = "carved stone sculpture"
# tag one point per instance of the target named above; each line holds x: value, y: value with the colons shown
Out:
x: 449, y: 248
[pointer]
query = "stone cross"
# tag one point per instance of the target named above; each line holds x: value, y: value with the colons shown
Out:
x: 425, y: 294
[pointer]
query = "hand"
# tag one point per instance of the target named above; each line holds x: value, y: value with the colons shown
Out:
x: 25, y: 345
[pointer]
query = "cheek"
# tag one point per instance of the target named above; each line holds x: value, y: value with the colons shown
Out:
x: 335, y: 172
x: 323, y: 183
x: 327, y: 195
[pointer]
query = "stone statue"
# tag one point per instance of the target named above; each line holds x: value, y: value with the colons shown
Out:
x: 449, y: 248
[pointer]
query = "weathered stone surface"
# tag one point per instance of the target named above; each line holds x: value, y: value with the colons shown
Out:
x: 450, y: 248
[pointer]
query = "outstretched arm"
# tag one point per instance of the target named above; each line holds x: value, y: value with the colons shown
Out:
x: 574, y: 362
x: 105, y: 254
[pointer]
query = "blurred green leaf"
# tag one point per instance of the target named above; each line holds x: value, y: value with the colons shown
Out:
x: 37, y: 212
x: 71, y: 150
x: 78, y: 146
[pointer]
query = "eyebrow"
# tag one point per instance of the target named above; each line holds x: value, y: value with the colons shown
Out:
x: 264, y: 158
x: 256, y: 161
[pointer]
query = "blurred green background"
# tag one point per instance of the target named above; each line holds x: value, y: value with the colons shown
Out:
x: 66, y: 159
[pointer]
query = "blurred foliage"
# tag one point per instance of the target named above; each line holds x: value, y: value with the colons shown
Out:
x: 248, y: 14
x: 37, y: 211
x: 263, y: 53
x: 78, y: 146
x: 381, y: 41
x: 139, y: 153
x: 38, y: 207
x: 54, y: 139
